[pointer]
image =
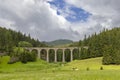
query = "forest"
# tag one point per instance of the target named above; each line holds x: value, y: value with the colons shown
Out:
x: 10, y: 39
x: 11, y: 43
x: 106, y: 44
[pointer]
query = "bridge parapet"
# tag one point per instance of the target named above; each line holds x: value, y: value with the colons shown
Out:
x: 37, y: 48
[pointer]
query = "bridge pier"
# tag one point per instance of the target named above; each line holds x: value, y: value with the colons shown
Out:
x: 55, y: 57
x: 39, y: 55
x: 63, y: 56
x: 30, y: 50
x: 71, y: 55
x: 47, y: 59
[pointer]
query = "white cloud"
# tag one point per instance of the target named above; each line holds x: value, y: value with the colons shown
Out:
x: 35, y: 17
x: 9, y: 24
x: 39, y: 19
x: 105, y: 14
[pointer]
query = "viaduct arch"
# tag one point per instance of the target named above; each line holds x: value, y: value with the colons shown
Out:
x: 39, y: 49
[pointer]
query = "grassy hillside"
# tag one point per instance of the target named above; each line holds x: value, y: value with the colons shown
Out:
x: 59, y: 42
x: 20, y: 67
x: 92, y: 64
x: 41, y: 70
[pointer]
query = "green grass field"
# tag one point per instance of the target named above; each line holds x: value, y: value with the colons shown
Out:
x: 42, y: 70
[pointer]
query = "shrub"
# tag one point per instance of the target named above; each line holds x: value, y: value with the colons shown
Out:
x: 24, y: 44
x: 87, y: 69
x: 23, y: 57
x: 28, y: 57
x: 13, y: 60
x: 101, y: 68
x: 20, y: 54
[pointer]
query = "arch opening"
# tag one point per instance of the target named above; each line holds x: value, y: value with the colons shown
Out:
x: 67, y: 55
x: 51, y: 55
x: 59, y: 55
x: 43, y: 54
x: 75, y: 54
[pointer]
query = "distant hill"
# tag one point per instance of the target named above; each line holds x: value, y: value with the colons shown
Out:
x: 59, y: 42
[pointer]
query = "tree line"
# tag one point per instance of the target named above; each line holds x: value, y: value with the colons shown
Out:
x: 10, y: 39
x: 12, y: 42
x: 106, y: 44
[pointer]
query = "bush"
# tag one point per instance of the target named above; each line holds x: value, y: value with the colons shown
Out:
x: 23, y: 57
x: 24, y: 44
x: 20, y: 54
x: 13, y: 60
x: 101, y: 68
x: 28, y: 57
x: 87, y: 69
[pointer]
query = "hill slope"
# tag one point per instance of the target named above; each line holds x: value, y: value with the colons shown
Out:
x: 20, y: 67
x: 41, y: 70
x: 59, y: 42
x: 92, y: 64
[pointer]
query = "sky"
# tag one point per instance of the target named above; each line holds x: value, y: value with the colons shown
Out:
x: 49, y: 20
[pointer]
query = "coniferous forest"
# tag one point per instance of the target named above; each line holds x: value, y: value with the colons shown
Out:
x: 10, y: 39
x: 106, y: 44
x: 12, y: 43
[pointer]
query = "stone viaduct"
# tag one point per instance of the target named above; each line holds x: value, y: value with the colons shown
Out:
x: 39, y: 49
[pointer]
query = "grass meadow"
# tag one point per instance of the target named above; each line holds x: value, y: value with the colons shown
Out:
x: 88, y: 69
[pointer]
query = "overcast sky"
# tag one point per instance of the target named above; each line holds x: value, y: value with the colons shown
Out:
x: 59, y: 19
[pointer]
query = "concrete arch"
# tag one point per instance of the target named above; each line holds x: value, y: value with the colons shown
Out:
x: 51, y: 55
x: 76, y: 54
x: 34, y: 50
x: 67, y: 55
x: 43, y: 54
x: 47, y: 54
x: 59, y: 54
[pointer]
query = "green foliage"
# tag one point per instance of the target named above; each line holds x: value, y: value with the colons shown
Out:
x: 51, y: 54
x: 76, y: 54
x: 24, y: 44
x: 59, y: 55
x: 111, y: 55
x: 87, y: 68
x: 16, y: 52
x: 15, y: 55
x: 28, y: 57
x: 10, y: 39
x: 67, y: 55
x: 106, y: 44
x: 108, y: 55
x: 84, y: 53
x: 117, y: 57
x: 101, y: 68
x: 23, y: 57
x: 20, y: 54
